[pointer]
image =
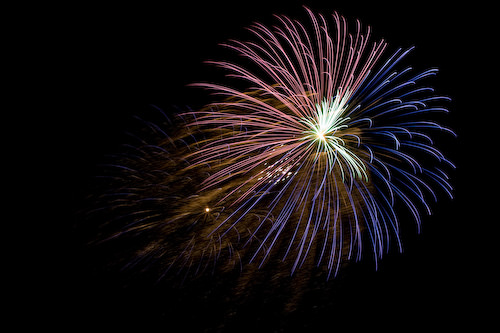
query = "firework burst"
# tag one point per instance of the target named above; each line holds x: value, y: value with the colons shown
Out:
x: 308, y: 165
x: 325, y: 141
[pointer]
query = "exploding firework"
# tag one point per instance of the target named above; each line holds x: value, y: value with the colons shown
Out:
x: 327, y: 138
x: 305, y: 166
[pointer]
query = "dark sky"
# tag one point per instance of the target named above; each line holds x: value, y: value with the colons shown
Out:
x: 118, y: 60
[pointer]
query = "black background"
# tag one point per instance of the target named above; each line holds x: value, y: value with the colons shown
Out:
x: 113, y: 62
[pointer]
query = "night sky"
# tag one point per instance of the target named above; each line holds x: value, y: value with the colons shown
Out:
x: 117, y: 61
